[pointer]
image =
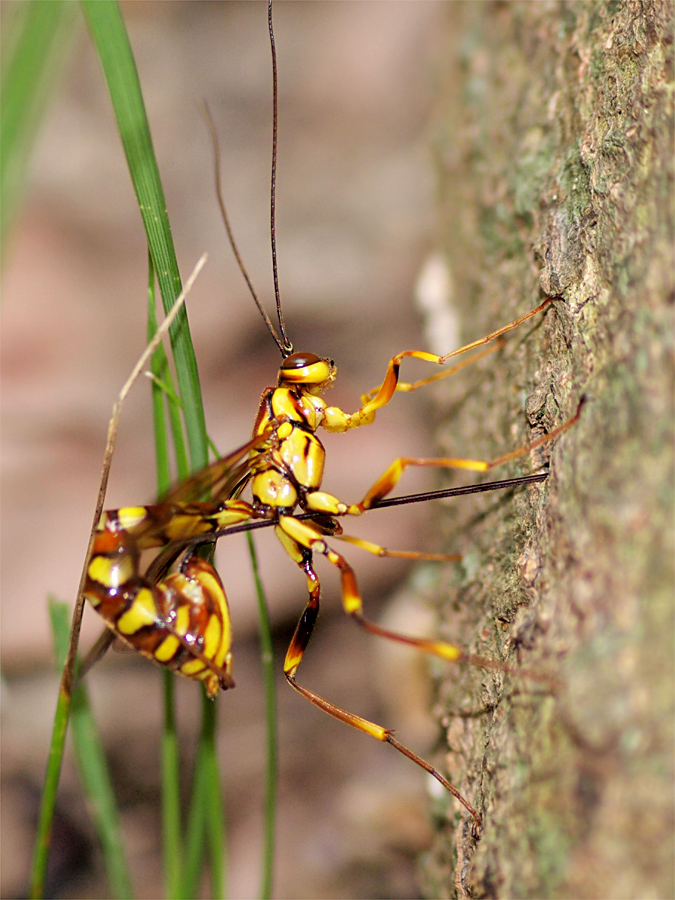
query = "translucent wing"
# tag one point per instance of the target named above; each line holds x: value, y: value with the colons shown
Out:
x: 223, y: 479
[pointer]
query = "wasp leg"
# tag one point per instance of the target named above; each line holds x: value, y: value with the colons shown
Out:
x: 301, y: 552
x: 337, y: 420
x: 97, y: 652
x: 299, y: 538
x: 393, y: 474
x: 163, y: 523
x: 407, y: 386
x: 304, y: 537
x: 434, y: 646
x: 325, y: 503
x: 377, y: 550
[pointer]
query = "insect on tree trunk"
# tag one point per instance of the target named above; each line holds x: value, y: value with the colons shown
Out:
x: 555, y: 149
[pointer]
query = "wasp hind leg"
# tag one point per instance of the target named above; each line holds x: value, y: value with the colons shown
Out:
x: 377, y: 550
x: 303, y: 536
x: 301, y: 540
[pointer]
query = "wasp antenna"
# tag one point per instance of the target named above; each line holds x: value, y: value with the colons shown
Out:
x: 287, y: 347
x: 230, y: 235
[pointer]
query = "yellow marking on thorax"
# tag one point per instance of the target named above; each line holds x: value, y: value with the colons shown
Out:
x: 314, y: 409
x: 272, y: 489
x: 285, y: 405
x: 288, y: 407
x: 303, y: 453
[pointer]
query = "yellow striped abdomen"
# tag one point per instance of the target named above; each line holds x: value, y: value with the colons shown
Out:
x: 182, y: 622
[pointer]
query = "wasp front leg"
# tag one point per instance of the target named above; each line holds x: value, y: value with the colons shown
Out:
x: 337, y: 420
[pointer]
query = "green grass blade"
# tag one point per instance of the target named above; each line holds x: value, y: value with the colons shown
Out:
x: 159, y: 369
x: 48, y: 803
x: 109, y: 34
x: 35, y: 38
x: 196, y: 831
x: 271, y: 765
x: 165, y: 397
x: 205, y: 832
x: 206, y: 814
x: 215, y: 809
x: 112, y: 43
x: 93, y: 766
x: 106, y: 25
x: 172, y: 842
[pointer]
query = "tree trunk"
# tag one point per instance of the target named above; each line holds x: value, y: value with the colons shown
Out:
x: 556, y: 158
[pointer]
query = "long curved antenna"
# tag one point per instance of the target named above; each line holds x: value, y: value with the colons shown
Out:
x: 230, y: 235
x: 287, y: 348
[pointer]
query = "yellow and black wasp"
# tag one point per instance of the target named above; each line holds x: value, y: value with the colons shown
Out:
x: 179, y: 618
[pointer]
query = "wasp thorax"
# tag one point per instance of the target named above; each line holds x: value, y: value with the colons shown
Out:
x: 306, y: 368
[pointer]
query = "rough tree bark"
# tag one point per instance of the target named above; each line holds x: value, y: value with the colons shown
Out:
x: 556, y: 153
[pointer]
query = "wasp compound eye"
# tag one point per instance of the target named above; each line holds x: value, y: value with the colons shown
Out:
x: 306, y: 368
x: 301, y: 360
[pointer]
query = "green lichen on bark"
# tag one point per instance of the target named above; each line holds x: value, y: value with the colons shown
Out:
x: 555, y: 147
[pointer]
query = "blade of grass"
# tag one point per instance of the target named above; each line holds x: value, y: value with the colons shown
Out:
x: 195, y: 829
x: 92, y: 764
x: 109, y: 34
x: 207, y: 811
x: 36, y: 36
x: 46, y: 816
x: 271, y: 765
x: 63, y: 706
x: 267, y: 659
x: 159, y: 369
x: 205, y: 832
x: 107, y: 28
x: 112, y: 44
x: 172, y: 844
x: 170, y: 752
x: 215, y: 809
